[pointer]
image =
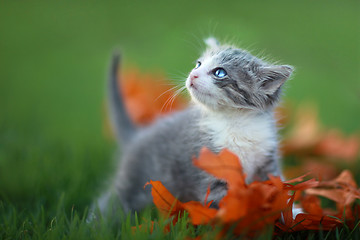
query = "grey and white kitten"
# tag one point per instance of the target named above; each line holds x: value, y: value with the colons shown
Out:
x: 233, y: 97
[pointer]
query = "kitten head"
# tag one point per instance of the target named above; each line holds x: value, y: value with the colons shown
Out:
x: 226, y: 78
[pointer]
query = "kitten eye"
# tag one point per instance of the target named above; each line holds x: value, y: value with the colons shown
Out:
x: 198, y: 64
x: 220, y: 72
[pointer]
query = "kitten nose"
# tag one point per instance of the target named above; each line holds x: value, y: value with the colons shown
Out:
x: 193, y: 76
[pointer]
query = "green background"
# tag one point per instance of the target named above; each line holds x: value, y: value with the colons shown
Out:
x: 54, y: 56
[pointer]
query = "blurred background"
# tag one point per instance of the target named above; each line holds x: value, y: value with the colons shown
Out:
x: 54, y: 57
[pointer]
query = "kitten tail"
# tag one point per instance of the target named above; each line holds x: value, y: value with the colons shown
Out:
x: 121, y: 122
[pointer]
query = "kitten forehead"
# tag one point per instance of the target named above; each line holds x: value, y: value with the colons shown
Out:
x: 228, y: 55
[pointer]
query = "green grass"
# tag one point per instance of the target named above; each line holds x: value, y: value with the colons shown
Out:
x: 71, y: 224
x: 54, y: 157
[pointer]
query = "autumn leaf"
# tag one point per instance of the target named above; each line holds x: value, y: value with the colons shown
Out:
x: 167, y: 204
x: 248, y: 208
x: 334, y: 145
x: 342, y: 190
x: 315, y: 222
x: 308, y: 137
x: 307, y: 131
x: 147, y: 96
x: 199, y: 213
x: 303, y: 185
x: 320, y: 169
x: 312, y: 204
x: 298, y: 179
x: 288, y: 214
x: 224, y: 165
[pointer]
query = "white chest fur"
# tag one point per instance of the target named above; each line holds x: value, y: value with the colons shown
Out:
x: 251, y: 136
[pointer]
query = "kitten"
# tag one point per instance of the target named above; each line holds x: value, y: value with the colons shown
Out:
x: 233, y: 96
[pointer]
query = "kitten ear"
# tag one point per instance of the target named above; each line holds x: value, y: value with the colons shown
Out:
x: 212, y: 42
x: 273, y: 77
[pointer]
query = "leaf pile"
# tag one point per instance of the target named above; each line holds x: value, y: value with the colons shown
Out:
x: 316, y: 148
x: 249, y: 208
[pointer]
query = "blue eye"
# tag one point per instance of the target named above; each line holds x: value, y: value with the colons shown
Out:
x: 220, y: 73
x: 198, y: 64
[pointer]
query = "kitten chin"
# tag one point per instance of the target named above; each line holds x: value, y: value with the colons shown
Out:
x: 233, y: 95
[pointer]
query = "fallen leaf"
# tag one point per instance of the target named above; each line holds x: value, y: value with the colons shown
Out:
x: 199, y: 213
x: 315, y: 222
x: 334, y: 145
x: 169, y: 206
x: 345, y: 178
x: 342, y: 190
x: 303, y: 185
x: 319, y: 169
x: 147, y: 96
x: 288, y: 214
x: 248, y: 208
x: 309, y: 138
x: 306, y: 132
x: 164, y: 200
x: 225, y: 165
x: 312, y: 205
x: 298, y: 179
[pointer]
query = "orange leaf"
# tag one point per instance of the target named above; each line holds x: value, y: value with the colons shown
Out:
x: 170, y: 206
x: 248, y: 208
x: 288, y: 214
x: 315, y: 222
x: 231, y: 201
x: 298, y: 179
x: 311, y: 204
x: 342, y: 190
x: 304, y: 185
x: 206, y: 203
x: 335, y: 145
x: 321, y: 170
x: 332, y: 194
x: 199, y: 213
x: 276, y: 181
x: 308, y: 138
x: 146, y: 102
x: 346, y: 178
x: 163, y: 199
x: 224, y: 165
x: 306, y: 132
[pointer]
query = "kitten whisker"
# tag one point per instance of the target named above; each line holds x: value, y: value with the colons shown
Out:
x: 170, y: 100
x: 177, y: 93
x: 179, y: 77
x: 170, y: 89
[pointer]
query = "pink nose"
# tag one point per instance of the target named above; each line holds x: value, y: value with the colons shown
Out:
x: 193, y: 76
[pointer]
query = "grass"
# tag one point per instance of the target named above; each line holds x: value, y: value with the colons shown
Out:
x: 64, y: 224
x: 54, y: 157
